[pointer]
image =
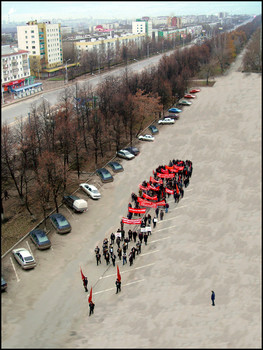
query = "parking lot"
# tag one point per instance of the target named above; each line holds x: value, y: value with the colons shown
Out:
x: 210, y: 240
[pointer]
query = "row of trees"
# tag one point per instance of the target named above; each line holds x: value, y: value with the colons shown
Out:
x: 87, y: 127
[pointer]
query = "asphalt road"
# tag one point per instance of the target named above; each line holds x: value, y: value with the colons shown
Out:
x: 211, y: 240
x: 12, y: 113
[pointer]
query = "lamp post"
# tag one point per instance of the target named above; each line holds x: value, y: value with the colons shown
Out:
x: 66, y: 66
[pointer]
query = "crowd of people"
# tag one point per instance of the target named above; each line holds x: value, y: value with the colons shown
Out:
x: 167, y: 180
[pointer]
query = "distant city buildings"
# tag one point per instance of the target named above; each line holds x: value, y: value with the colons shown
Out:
x: 141, y: 26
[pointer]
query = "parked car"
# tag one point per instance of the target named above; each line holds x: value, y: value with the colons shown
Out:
x: 189, y: 96
x: 3, y: 284
x: 193, y: 91
x: 91, y: 190
x: 123, y: 153
x: 133, y: 150
x: 77, y: 204
x: 185, y: 103
x: 24, y: 258
x: 166, y: 121
x: 172, y: 116
x: 40, y: 239
x: 146, y: 138
x: 60, y: 223
x: 104, y: 175
x: 153, y: 129
x: 175, y: 110
x: 116, y: 167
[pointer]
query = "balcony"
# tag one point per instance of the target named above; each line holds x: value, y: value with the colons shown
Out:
x: 15, y: 63
x: 15, y: 70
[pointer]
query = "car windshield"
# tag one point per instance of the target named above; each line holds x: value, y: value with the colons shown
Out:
x: 106, y: 175
x: 62, y: 222
x: 42, y: 238
x: 94, y: 191
x: 28, y: 258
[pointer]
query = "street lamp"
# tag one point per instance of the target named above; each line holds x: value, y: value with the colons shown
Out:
x: 67, y: 70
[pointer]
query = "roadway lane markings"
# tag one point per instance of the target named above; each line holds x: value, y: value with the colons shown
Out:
x: 18, y: 280
x: 157, y: 240
x: 136, y: 268
x: 29, y: 248
x: 114, y: 288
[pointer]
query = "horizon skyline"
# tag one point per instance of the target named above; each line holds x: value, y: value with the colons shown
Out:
x: 17, y: 11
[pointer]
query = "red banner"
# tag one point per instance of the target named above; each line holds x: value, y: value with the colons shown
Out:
x: 167, y: 176
x: 131, y: 221
x: 167, y: 190
x: 156, y: 181
x: 150, y: 187
x: 136, y: 210
x: 162, y: 203
x: 154, y: 198
x: 90, y: 295
x: 143, y: 188
x: 177, y: 190
x: 164, y: 171
x: 179, y: 168
x: 144, y: 203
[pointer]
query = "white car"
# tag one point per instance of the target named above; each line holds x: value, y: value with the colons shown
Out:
x: 123, y: 153
x: 91, y: 190
x: 185, y: 103
x: 24, y: 258
x: 146, y: 138
x: 166, y: 121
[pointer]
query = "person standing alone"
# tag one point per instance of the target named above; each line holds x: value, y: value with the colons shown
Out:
x: 213, y: 296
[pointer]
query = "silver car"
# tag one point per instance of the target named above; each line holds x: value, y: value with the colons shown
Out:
x: 166, y: 121
x: 91, y: 190
x: 123, y: 153
x: 146, y: 138
x: 24, y: 258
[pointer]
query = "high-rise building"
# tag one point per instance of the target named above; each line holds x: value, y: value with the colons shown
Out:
x: 44, y: 42
x: 142, y: 27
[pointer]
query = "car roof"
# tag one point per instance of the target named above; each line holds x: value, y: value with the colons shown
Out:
x: 57, y: 215
x: 115, y: 163
x: 22, y: 251
x: 90, y: 185
x: 103, y: 170
x: 38, y: 232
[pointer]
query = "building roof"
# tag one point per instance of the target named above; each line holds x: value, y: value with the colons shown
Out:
x: 8, y: 50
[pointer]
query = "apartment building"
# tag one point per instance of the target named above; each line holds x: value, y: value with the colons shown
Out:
x: 44, y: 42
x: 142, y: 27
x: 15, y: 67
x: 109, y: 45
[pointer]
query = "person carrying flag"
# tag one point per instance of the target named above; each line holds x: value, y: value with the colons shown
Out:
x: 91, y: 304
x: 118, y: 285
x: 85, y: 284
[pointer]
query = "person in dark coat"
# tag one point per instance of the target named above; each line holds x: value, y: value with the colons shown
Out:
x: 157, y: 211
x: 118, y: 241
x: 161, y: 214
x: 149, y: 219
x: 141, y: 236
x: 107, y: 257
x: 138, y: 245
x: 213, y: 296
x: 112, y: 237
x: 118, y: 286
x: 145, y: 237
x: 134, y: 235
x: 124, y: 258
x: 119, y: 252
x: 131, y: 258
x: 113, y: 258
x: 98, y: 258
x: 85, y: 284
x: 130, y: 235
x: 91, y: 307
x: 154, y: 222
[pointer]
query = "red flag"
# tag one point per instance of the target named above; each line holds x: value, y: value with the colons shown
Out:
x: 118, y: 273
x: 82, y: 276
x: 167, y: 190
x: 90, y: 295
x: 164, y: 171
x: 161, y: 203
x: 177, y: 190
x: 150, y: 187
x: 143, y: 188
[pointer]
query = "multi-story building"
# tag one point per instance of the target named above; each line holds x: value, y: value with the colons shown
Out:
x: 44, y: 42
x: 142, y: 27
x: 109, y: 44
x: 15, y: 68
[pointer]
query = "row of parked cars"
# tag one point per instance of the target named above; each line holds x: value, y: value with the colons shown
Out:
x: 78, y: 205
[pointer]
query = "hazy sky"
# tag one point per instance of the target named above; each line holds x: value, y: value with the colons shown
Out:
x: 30, y: 10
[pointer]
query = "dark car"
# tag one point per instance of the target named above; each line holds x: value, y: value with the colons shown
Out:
x: 3, y: 284
x: 77, y: 204
x: 132, y: 150
x: 40, y: 239
x: 60, y: 223
x: 153, y: 129
x: 104, y: 175
x: 116, y: 167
